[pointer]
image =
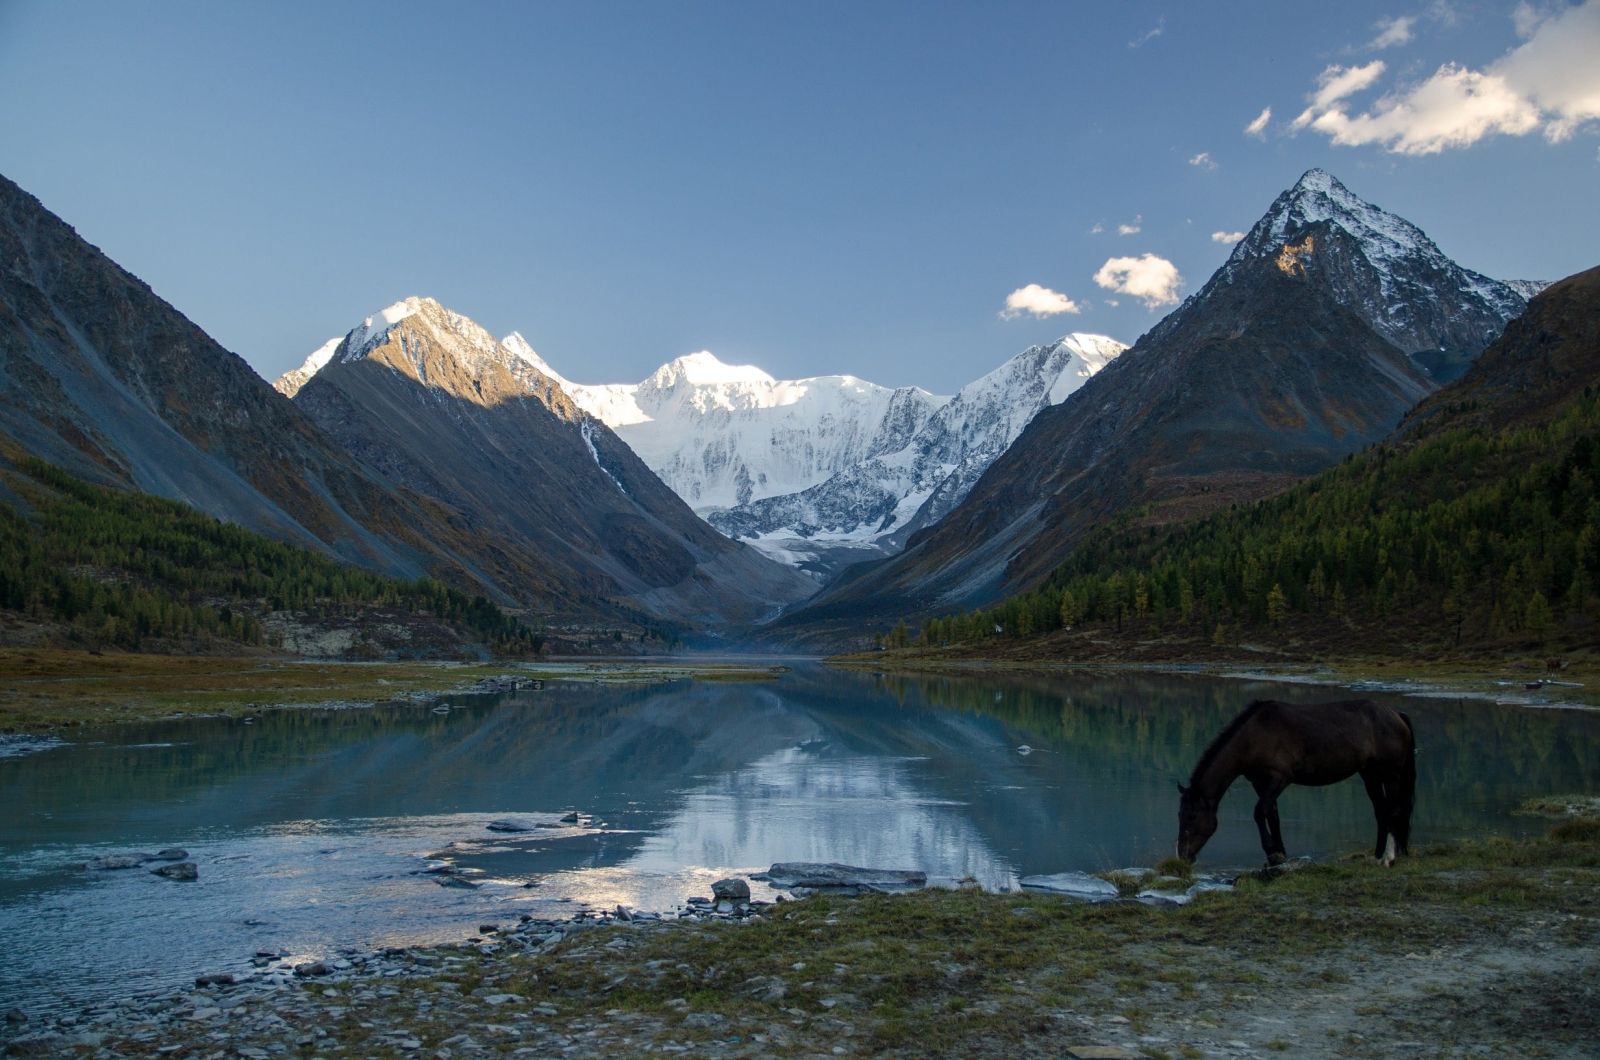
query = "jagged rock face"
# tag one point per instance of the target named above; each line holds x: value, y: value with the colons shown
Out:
x: 443, y: 409
x: 101, y: 377
x: 1283, y: 363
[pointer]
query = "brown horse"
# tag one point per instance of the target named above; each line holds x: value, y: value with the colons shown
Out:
x: 1273, y: 745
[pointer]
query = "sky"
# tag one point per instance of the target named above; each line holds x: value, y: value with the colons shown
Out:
x: 908, y: 192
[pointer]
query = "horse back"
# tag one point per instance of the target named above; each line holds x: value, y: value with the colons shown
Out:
x: 1323, y: 743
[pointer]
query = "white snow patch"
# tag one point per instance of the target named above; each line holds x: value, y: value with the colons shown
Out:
x: 289, y: 383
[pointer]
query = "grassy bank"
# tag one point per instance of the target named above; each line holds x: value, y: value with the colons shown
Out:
x: 1483, y: 946
x: 1498, y: 678
x: 51, y: 689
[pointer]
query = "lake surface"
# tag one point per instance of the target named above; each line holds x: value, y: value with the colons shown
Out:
x: 313, y: 830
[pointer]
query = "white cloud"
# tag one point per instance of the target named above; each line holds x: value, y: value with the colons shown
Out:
x: 1145, y: 38
x: 1334, y: 84
x: 1203, y: 160
x: 1096, y: 228
x: 1551, y: 83
x: 1258, y: 127
x: 1392, y: 32
x: 1229, y: 238
x: 1131, y: 228
x: 1112, y: 302
x: 1151, y: 279
x: 1037, y: 300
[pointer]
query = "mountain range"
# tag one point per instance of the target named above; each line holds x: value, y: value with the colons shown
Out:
x: 423, y: 447
x: 438, y: 406
x: 818, y: 472
x: 1474, y: 527
x: 1328, y: 322
x: 418, y: 443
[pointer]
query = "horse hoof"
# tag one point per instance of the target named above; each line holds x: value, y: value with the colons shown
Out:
x: 1277, y: 858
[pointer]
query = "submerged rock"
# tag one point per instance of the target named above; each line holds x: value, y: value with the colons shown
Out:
x: 1073, y: 884
x: 184, y: 871
x: 170, y: 854
x: 831, y: 874
x: 512, y: 824
x: 119, y: 861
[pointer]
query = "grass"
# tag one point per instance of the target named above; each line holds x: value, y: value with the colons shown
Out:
x: 1494, y: 678
x: 49, y: 689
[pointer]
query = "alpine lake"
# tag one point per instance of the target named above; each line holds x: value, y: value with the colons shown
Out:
x: 321, y: 830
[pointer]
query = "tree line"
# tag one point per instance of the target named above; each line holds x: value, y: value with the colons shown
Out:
x: 1457, y: 536
x: 124, y: 569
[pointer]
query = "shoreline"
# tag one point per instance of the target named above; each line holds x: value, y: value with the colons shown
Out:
x: 1484, y: 945
x: 53, y: 693
x: 1498, y: 686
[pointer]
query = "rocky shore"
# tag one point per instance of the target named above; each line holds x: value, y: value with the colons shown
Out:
x: 1465, y: 949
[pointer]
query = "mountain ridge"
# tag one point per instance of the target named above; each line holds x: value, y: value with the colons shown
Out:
x: 1280, y: 365
x: 442, y: 408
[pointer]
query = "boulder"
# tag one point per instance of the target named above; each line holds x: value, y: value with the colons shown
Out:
x: 732, y: 888
x: 512, y: 824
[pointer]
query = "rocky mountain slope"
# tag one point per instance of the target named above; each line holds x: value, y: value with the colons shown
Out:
x: 441, y: 408
x: 1329, y: 321
x: 1473, y: 528
x: 101, y: 377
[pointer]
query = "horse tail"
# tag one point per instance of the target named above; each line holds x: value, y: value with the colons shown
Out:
x: 1407, y: 800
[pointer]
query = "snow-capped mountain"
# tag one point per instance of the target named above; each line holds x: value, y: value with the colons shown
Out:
x: 1391, y: 274
x: 542, y: 499
x: 726, y: 435
x: 1329, y: 321
x: 816, y: 472
x: 871, y: 507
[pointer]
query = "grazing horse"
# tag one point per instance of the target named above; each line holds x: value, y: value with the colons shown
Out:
x: 1273, y: 745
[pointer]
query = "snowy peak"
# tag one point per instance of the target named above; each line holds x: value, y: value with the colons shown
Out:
x: 289, y: 383
x: 372, y: 331
x: 704, y: 369
x: 1379, y: 265
x: 520, y: 349
x: 923, y: 465
x: 471, y: 356
x: 1318, y: 196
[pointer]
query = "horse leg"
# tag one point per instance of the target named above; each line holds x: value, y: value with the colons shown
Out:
x: 1382, y: 809
x: 1267, y: 792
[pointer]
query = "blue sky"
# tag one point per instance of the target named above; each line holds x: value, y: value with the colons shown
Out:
x: 820, y: 187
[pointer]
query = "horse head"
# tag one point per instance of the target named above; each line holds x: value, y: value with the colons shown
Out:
x: 1197, y: 821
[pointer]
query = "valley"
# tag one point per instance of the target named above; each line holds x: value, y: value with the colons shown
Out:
x: 799, y: 530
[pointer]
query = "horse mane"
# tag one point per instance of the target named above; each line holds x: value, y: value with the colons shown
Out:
x: 1228, y: 732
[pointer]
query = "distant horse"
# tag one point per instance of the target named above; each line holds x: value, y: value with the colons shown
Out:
x: 1273, y: 745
